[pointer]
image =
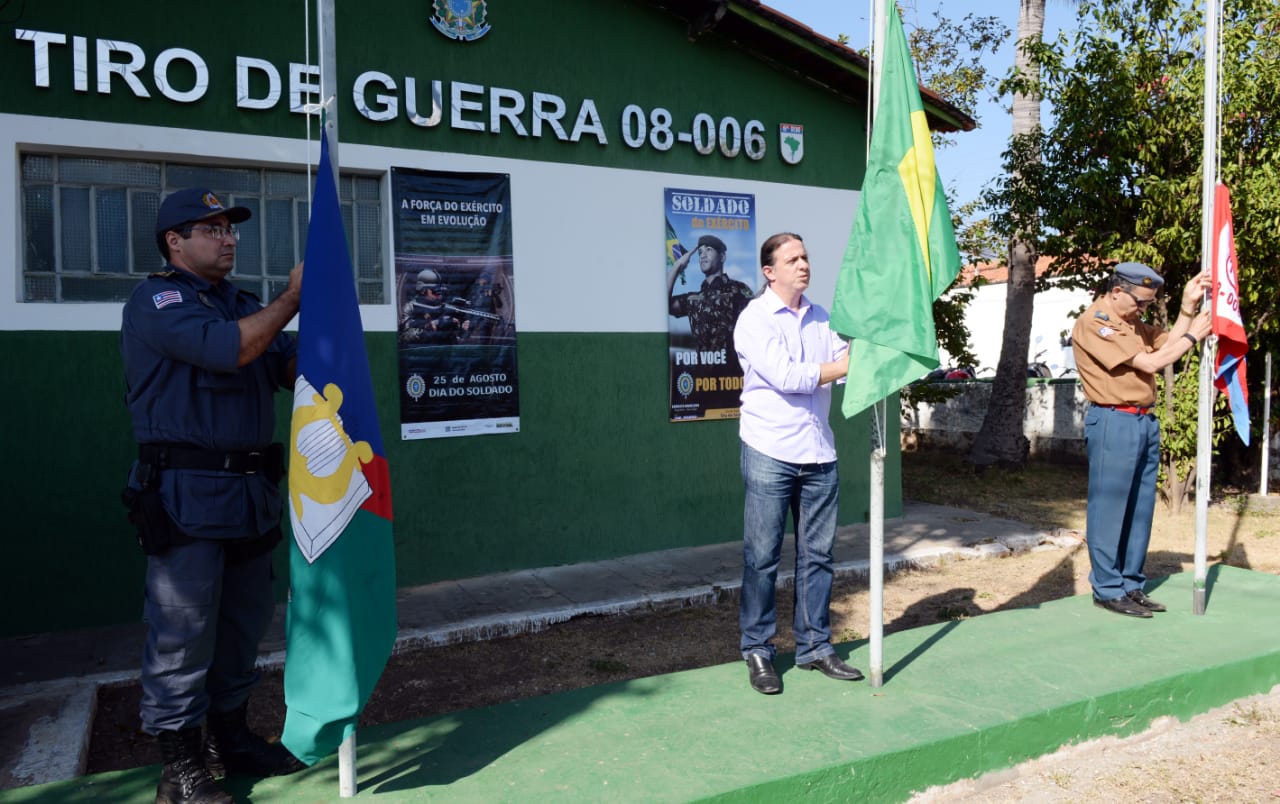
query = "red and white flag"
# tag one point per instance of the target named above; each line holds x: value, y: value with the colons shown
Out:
x: 1233, y: 342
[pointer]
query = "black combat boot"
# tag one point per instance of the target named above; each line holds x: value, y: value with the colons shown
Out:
x: 185, y: 779
x: 233, y: 748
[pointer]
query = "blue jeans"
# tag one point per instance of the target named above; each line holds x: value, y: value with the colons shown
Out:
x: 1124, y: 456
x: 810, y: 492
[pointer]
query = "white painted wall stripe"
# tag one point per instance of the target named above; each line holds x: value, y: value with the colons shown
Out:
x: 588, y: 240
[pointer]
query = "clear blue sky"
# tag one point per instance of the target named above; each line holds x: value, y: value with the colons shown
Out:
x: 975, y: 158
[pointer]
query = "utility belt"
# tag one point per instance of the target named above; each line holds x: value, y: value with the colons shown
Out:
x: 1136, y: 410
x: 267, y: 461
x: 156, y: 530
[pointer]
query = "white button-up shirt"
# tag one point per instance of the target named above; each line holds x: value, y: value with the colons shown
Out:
x: 784, y: 410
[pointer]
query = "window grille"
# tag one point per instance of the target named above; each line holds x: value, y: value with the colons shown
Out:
x: 89, y: 225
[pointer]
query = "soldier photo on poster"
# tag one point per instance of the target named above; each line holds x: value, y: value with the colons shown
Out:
x: 455, y: 303
x: 711, y: 275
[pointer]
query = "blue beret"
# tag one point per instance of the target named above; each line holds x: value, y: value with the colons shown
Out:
x: 1138, y: 274
x: 713, y: 241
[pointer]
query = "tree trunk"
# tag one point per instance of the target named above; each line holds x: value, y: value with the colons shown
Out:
x: 1002, y: 438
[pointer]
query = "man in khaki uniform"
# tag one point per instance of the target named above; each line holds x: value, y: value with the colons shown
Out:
x: 1117, y: 355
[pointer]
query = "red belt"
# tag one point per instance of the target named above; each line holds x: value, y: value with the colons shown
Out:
x: 1128, y: 409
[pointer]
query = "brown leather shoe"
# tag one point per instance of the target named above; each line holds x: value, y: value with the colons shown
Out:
x: 1122, y: 605
x: 1140, y: 597
x: 764, y: 679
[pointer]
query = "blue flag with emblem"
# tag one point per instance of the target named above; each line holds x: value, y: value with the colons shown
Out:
x: 342, y: 608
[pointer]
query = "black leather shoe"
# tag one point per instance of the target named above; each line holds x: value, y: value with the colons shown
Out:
x: 1140, y: 597
x: 832, y: 667
x: 1122, y: 605
x: 764, y: 679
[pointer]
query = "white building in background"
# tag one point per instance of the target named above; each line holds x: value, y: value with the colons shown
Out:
x: 1051, y: 322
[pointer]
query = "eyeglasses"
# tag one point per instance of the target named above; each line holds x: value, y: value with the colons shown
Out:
x: 1142, y: 303
x: 216, y: 232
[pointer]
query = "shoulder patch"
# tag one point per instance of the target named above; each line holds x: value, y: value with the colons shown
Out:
x: 1106, y: 331
x: 1101, y: 315
x: 167, y: 297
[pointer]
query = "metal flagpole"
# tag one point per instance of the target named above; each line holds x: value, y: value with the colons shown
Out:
x: 329, y: 75
x: 879, y: 418
x: 1204, y: 421
x: 1266, y: 427
x: 875, y: 556
x: 327, y: 34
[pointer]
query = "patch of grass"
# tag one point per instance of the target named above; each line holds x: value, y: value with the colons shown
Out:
x: 1238, y: 503
x: 1059, y: 778
x: 1240, y: 716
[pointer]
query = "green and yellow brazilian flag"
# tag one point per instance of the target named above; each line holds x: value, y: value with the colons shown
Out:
x: 902, y: 252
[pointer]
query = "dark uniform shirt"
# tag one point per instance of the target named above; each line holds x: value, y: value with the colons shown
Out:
x: 180, y: 342
x: 1103, y: 344
x: 713, y: 311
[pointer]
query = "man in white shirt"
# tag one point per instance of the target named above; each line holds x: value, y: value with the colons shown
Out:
x: 790, y: 356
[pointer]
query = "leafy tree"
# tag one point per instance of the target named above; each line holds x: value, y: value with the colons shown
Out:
x: 948, y: 57
x: 1177, y: 413
x: 1117, y: 176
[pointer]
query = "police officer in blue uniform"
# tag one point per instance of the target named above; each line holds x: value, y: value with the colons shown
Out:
x: 1117, y: 356
x: 203, y: 361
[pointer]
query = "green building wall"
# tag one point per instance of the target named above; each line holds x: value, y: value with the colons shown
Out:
x: 589, y: 475
x: 596, y: 470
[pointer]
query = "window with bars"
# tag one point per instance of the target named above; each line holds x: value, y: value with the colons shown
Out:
x: 89, y: 225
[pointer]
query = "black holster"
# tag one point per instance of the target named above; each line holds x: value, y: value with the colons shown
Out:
x: 153, y: 526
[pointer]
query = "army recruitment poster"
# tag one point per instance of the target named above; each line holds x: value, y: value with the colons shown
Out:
x: 456, y: 302
x: 711, y: 275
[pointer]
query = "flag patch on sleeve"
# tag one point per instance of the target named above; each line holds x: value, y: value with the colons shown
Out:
x: 167, y: 297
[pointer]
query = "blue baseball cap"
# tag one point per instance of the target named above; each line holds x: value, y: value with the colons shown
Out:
x: 1135, y: 273
x: 191, y: 205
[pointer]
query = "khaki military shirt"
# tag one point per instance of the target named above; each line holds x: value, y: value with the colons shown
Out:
x: 1103, y: 344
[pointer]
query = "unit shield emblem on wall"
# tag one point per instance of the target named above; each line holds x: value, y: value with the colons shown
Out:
x: 463, y: 20
x: 791, y: 142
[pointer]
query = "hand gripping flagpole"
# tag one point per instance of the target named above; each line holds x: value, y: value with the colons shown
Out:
x: 1204, y: 421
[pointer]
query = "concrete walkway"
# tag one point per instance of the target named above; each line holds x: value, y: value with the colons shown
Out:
x: 48, y: 683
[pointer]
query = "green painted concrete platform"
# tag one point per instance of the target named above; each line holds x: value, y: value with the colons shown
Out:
x: 959, y: 699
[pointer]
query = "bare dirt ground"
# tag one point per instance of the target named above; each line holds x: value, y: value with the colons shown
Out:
x: 1232, y: 754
